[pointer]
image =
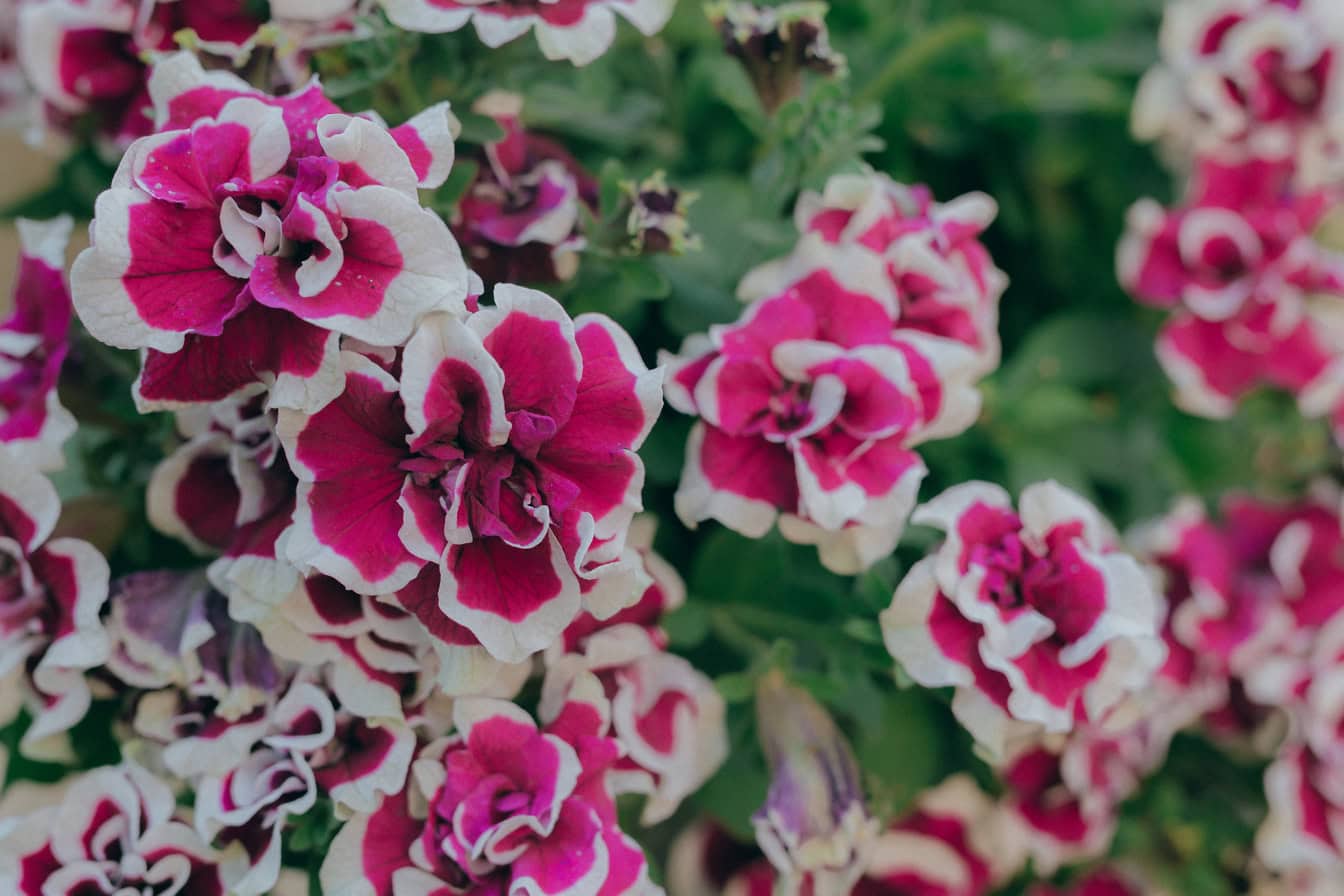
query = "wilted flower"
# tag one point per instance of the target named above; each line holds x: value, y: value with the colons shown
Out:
x: 776, y: 44
x: 1036, y: 619
x: 287, y: 222
x: 116, y: 831
x: 500, y: 806
x: 576, y: 30
x: 656, y: 222
x: 208, y: 683
x: 814, y: 827
x: 33, y: 345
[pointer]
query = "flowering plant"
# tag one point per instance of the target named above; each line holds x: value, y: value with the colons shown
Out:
x: 636, y: 447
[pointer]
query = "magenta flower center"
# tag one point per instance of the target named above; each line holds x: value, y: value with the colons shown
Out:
x: 1054, y: 581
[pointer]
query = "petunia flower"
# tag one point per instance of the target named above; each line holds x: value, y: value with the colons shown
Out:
x: 520, y: 218
x: 501, y: 806
x: 1304, y: 829
x: 1031, y: 613
x: 287, y: 222
x: 811, y: 406
x: 942, y: 277
x: 503, y: 459
x: 575, y: 30
x: 227, y: 490
x: 1248, y: 78
x: 1238, y: 265
x: 88, y: 59
x: 34, y: 341
x: 1051, y: 823
x: 116, y: 831
x: 953, y: 842
x: 52, y: 591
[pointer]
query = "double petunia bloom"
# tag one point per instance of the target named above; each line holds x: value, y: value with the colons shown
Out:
x: 288, y: 222
x: 864, y: 343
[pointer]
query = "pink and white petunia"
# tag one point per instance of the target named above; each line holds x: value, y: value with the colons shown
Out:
x: 575, y: 30
x: 1238, y: 265
x: 811, y: 406
x: 665, y: 592
x: 87, y: 59
x: 1304, y: 830
x: 943, y: 278
x: 244, y: 811
x: 666, y: 714
x: 1030, y: 613
x: 33, y: 345
x: 52, y: 591
x: 373, y: 654
x: 954, y: 842
x: 1248, y: 78
x: 227, y: 490
x: 116, y: 831
x: 289, y: 224
x: 519, y: 220
x: 502, y: 806
x: 183, y: 92
x: 1253, y: 597
x: 503, y: 459
x: 705, y: 860
x: 1101, y: 882
x: 1047, y: 820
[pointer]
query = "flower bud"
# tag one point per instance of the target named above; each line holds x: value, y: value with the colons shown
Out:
x: 656, y: 222
x: 776, y: 44
x: 814, y: 827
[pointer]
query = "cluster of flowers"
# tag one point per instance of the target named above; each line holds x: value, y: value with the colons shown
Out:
x: 864, y: 342
x: 1249, y: 101
x: 412, y: 498
x: 1256, y: 614
x: 70, y: 64
x: 1050, y: 636
x: 815, y: 835
x: 1073, y: 665
x: 78, y: 64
